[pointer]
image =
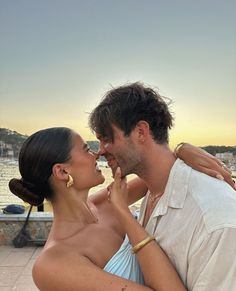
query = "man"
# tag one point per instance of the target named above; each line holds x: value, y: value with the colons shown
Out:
x: 192, y: 215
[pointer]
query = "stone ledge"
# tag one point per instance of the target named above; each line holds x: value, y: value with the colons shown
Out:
x: 34, y: 216
x: 38, y: 226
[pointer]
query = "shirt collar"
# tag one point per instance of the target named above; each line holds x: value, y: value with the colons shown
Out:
x: 176, y: 189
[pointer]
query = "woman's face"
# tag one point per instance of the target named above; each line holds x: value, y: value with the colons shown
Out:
x: 83, y: 165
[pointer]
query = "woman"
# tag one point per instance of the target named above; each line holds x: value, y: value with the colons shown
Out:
x: 56, y: 164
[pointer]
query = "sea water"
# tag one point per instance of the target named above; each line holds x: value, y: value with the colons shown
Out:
x: 10, y: 170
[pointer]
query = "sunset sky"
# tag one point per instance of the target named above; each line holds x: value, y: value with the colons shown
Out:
x: 59, y: 57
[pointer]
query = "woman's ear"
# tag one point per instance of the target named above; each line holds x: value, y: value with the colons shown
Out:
x: 59, y: 172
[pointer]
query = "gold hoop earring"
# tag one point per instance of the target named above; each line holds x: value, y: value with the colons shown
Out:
x: 70, y: 181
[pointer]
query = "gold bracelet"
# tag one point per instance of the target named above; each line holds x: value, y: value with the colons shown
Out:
x: 179, y: 145
x: 141, y: 244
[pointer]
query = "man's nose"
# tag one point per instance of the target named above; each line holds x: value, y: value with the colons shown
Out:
x: 102, y: 149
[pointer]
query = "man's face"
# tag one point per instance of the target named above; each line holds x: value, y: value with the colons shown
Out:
x: 120, y: 152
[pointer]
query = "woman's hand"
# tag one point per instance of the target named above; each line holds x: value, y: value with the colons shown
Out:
x: 204, y: 162
x: 118, y: 192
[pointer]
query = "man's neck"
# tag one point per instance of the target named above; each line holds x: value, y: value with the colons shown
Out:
x: 156, y: 169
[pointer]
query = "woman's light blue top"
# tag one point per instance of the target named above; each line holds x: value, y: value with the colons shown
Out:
x: 125, y: 264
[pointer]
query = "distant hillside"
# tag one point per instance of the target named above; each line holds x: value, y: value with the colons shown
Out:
x: 220, y: 149
x: 10, y: 136
x: 12, y: 139
x: 15, y: 140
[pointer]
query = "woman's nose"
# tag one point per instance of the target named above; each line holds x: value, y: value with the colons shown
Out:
x: 96, y: 155
x: 100, y: 151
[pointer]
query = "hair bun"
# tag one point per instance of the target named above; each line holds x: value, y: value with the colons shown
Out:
x: 25, y: 191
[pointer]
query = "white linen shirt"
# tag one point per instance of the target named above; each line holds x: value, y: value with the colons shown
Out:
x: 195, y: 224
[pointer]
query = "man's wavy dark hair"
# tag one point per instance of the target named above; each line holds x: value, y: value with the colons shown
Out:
x: 125, y: 106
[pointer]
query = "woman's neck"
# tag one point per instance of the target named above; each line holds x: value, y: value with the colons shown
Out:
x: 72, y: 213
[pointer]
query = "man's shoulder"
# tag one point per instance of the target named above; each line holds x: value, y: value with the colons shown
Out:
x: 215, y: 198
x: 202, y: 183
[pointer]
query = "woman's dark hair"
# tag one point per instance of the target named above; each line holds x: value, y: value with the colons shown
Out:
x: 38, y: 154
x: 125, y: 106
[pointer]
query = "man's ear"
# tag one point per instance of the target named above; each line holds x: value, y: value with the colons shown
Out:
x: 59, y: 172
x: 142, y: 130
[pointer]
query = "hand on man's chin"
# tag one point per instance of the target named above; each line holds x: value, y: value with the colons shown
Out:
x: 113, y: 169
x: 112, y: 163
x: 113, y: 166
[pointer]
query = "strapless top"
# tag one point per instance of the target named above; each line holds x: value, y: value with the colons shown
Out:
x: 125, y: 264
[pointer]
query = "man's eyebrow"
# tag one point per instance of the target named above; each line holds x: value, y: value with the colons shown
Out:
x: 98, y: 136
x: 103, y: 137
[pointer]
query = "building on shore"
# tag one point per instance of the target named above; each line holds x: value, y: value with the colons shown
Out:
x: 6, y: 150
x: 229, y: 159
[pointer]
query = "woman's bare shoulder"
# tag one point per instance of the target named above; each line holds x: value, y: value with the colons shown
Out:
x: 56, y: 270
x: 55, y: 263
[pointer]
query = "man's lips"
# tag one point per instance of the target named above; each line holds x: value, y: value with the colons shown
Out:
x: 110, y: 159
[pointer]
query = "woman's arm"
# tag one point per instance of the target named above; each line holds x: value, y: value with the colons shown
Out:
x: 204, y: 162
x: 136, y: 190
x: 157, y: 269
x: 77, y: 273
